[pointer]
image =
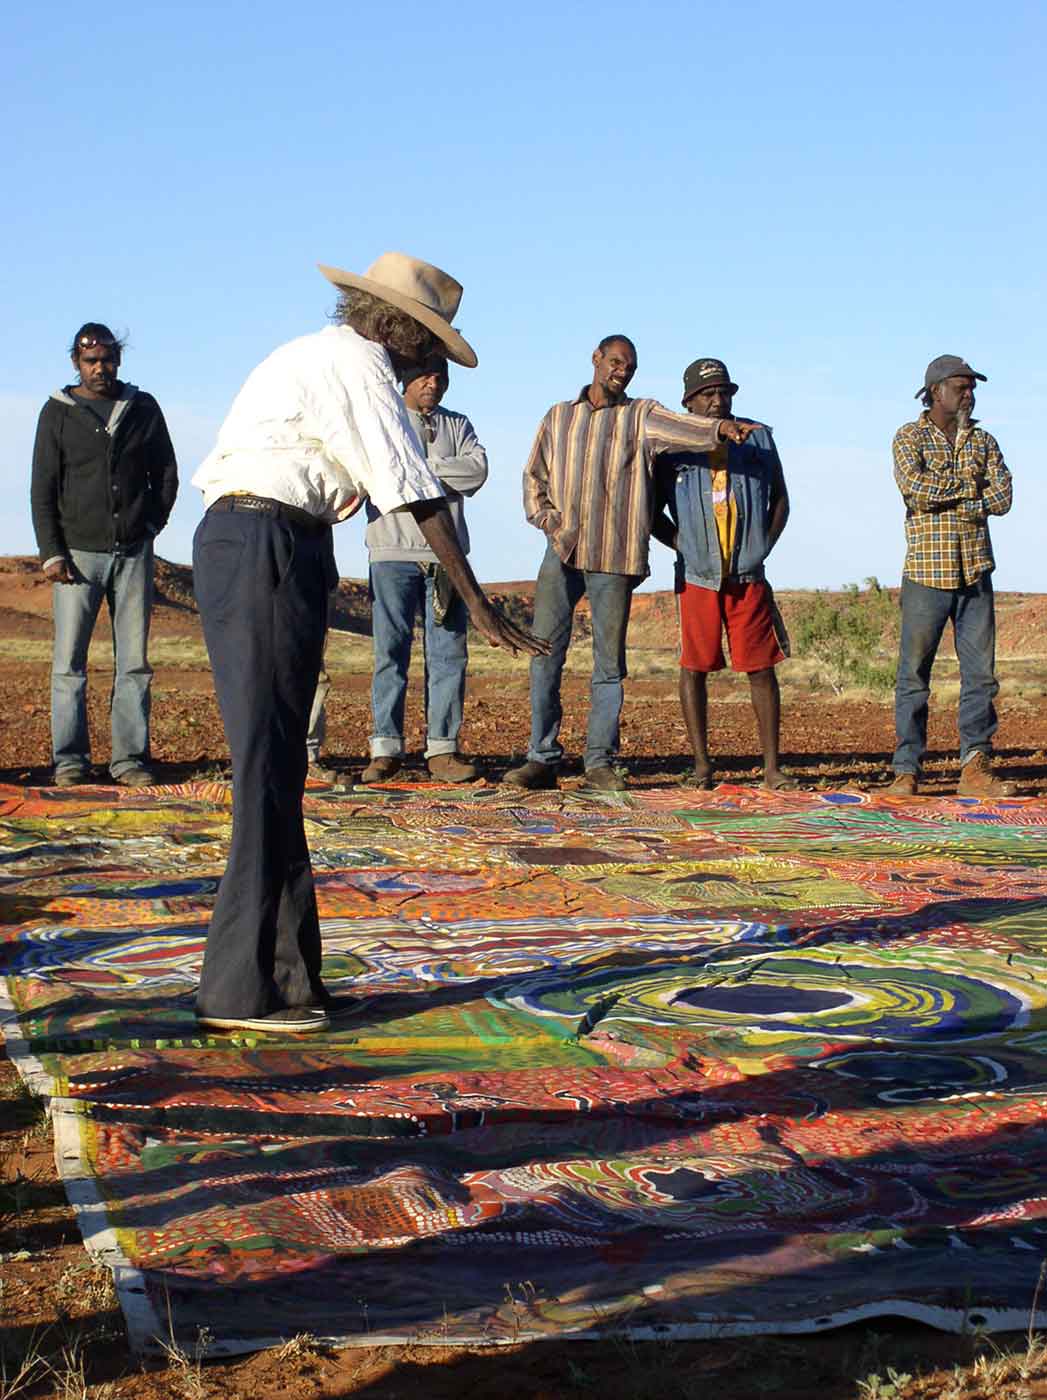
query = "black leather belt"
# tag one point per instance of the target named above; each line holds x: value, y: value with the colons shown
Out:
x: 279, y: 510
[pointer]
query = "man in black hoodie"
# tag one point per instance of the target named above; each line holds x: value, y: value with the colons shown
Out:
x: 104, y: 482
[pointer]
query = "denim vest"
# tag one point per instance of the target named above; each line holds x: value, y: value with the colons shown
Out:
x: 686, y: 482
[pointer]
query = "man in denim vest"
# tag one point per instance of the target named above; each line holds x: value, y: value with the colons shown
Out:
x: 728, y: 508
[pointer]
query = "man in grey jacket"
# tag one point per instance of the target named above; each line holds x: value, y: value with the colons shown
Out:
x: 405, y: 578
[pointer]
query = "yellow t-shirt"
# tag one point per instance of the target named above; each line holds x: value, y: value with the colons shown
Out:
x: 724, y: 508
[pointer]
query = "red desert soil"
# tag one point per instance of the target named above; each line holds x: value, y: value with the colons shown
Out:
x: 827, y: 741
x: 59, y: 1315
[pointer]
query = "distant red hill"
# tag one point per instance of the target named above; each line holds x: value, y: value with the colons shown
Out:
x: 25, y: 608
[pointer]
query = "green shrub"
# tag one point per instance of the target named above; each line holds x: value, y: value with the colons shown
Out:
x: 851, y: 637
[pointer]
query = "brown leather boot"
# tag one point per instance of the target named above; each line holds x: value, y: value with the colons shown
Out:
x: 904, y: 785
x: 978, y: 780
x: 536, y: 777
x: 604, y: 778
x: 384, y: 766
x: 451, y: 768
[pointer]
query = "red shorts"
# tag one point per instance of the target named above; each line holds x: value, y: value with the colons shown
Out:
x: 748, y: 614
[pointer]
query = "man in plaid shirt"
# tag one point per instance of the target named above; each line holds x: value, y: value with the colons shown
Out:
x: 952, y: 477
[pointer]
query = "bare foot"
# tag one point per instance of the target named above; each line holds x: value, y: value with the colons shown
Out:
x: 777, y: 780
x: 702, y: 777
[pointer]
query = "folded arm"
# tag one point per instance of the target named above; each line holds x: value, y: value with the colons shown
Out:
x: 997, y: 493
x: 466, y: 470
x: 926, y: 490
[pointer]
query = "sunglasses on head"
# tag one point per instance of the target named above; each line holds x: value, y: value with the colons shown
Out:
x: 88, y: 342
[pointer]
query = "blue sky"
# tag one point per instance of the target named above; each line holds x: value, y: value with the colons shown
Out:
x: 825, y: 196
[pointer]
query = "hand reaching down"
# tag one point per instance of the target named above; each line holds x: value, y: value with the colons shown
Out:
x: 434, y: 521
x: 501, y: 631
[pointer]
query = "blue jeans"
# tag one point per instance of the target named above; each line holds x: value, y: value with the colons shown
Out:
x: 557, y: 593
x: 399, y: 588
x: 925, y: 611
x: 125, y: 582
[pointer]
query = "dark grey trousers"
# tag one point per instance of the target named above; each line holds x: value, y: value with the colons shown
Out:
x: 262, y: 587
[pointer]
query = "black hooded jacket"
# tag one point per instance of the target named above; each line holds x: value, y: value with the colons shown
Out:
x: 101, y: 488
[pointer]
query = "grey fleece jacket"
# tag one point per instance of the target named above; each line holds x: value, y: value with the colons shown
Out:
x: 459, y: 461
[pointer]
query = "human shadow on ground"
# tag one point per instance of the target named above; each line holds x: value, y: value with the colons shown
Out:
x: 432, y: 1105
x: 645, y: 1250
x: 981, y: 911
x: 790, y: 1235
x: 168, y: 774
x: 141, y: 1018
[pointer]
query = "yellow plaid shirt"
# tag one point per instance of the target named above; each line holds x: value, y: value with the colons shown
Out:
x: 949, y: 492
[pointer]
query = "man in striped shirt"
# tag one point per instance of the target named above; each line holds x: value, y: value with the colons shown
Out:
x: 952, y: 477
x: 589, y: 487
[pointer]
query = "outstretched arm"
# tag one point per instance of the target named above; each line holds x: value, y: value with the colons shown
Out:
x: 666, y: 431
x: 434, y: 521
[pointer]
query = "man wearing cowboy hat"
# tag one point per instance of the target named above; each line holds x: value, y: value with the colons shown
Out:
x: 952, y: 477
x: 316, y: 428
x: 728, y: 507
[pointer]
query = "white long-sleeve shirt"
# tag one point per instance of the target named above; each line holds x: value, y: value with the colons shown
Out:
x: 320, y: 425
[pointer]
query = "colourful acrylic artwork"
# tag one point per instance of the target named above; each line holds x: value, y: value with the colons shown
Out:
x: 673, y: 1063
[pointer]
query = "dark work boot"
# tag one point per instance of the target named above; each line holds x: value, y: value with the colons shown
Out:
x: 536, y: 777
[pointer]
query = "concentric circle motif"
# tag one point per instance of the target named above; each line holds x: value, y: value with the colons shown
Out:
x: 781, y: 995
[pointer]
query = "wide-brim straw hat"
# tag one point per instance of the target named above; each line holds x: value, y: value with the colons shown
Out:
x: 423, y: 291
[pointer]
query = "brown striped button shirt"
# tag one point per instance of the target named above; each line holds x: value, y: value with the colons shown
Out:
x: 589, y: 481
